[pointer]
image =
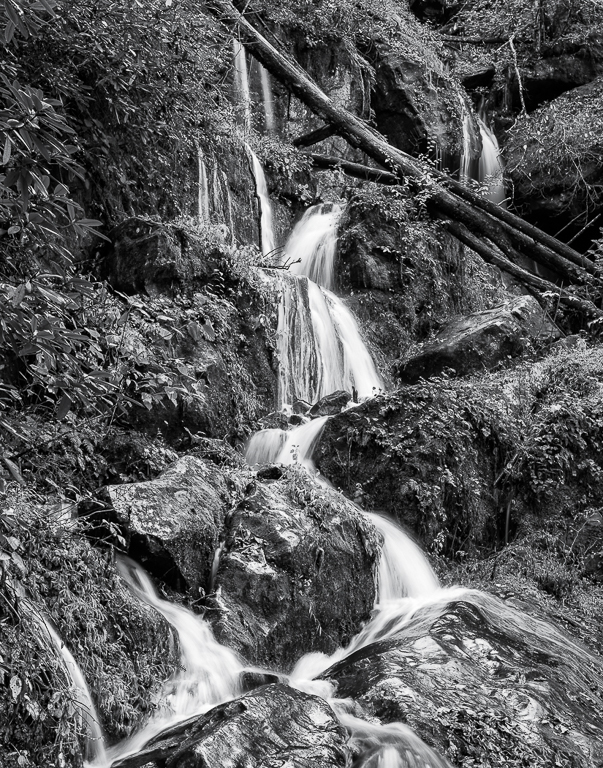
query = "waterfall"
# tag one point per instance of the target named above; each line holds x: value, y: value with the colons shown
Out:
x: 267, y: 99
x: 311, y: 247
x: 465, y: 172
x: 208, y: 675
x: 489, y: 168
x: 229, y: 206
x: 319, y: 346
x: 203, y: 191
x: 242, y: 94
x: 266, y: 227
x: 490, y: 164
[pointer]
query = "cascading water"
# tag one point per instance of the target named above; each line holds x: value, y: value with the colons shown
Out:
x: 266, y: 226
x: 242, y: 94
x: 95, y: 749
x: 319, y: 345
x: 267, y: 99
x: 490, y: 165
x: 209, y: 671
x: 489, y: 169
x: 311, y: 247
x: 203, y: 191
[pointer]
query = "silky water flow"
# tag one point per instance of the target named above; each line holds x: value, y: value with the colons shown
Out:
x: 409, y: 599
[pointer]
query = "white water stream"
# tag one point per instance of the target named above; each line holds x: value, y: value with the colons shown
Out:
x: 489, y: 170
x: 490, y: 164
x: 266, y: 221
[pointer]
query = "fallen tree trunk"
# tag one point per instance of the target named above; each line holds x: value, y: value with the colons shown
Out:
x: 320, y: 134
x: 446, y: 196
x: 489, y: 254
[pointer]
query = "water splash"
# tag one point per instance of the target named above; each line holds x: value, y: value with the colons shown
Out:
x: 265, y: 446
x: 209, y: 672
x: 311, y: 247
x: 389, y: 746
x: 266, y: 220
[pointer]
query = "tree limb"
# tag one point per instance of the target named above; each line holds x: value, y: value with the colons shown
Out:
x: 489, y: 254
x: 356, y: 170
x: 320, y: 134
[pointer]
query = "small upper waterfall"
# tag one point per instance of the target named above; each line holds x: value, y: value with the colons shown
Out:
x: 266, y: 226
x: 267, y: 99
x: 489, y: 169
x: 467, y: 163
x: 242, y: 94
x: 203, y: 189
x: 490, y: 164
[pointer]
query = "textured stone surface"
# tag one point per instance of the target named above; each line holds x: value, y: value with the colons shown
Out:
x: 272, y: 726
x: 154, y: 258
x: 468, y: 671
x: 330, y: 404
x: 480, y: 341
x: 173, y: 523
x: 296, y: 573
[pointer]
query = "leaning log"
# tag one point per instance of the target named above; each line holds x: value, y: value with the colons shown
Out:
x: 483, y: 217
x: 314, y: 137
x: 489, y: 254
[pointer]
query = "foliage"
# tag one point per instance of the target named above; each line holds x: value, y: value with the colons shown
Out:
x: 48, y: 569
x: 557, y: 150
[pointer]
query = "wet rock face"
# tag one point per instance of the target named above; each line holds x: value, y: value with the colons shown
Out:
x: 474, y: 677
x: 296, y: 573
x: 154, y: 258
x: 172, y: 524
x: 199, y: 344
x: 272, y: 726
x: 480, y: 341
x: 414, y: 104
x: 407, y: 282
x: 416, y: 455
x: 330, y: 404
x: 290, y: 566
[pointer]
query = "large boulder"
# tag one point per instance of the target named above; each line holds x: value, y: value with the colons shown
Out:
x: 466, y: 463
x: 271, y: 726
x: 284, y: 566
x: 481, y: 341
x: 476, y: 678
x: 156, y: 258
x: 297, y: 572
x: 407, y: 281
x: 173, y: 524
x: 554, y: 158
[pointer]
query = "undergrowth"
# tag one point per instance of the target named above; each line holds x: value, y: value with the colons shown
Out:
x: 49, y: 571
